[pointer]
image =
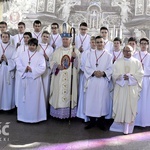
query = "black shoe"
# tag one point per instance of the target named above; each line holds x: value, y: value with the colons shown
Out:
x: 89, y: 126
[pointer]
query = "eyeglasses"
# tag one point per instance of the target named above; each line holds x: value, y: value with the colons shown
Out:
x: 53, y: 27
x: 144, y: 43
x: 83, y: 29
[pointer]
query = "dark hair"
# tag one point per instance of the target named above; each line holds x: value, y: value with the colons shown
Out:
x: 56, y: 24
x: 45, y: 32
x: 33, y: 41
x: 144, y: 39
x: 103, y: 28
x: 133, y: 39
x: 83, y: 24
x: 22, y: 23
x: 3, y: 22
x: 98, y: 37
x: 37, y: 22
x: 28, y: 33
x: 6, y: 33
x: 118, y: 39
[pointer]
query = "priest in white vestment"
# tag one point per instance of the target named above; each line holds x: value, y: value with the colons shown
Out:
x: 21, y: 48
x: 7, y: 73
x: 143, y: 112
x: 46, y: 50
x: 61, y: 64
x: 127, y: 78
x: 80, y: 110
x: 31, y: 65
x: 98, y: 70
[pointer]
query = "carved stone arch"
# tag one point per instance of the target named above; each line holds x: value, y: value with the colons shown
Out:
x: 94, y: 16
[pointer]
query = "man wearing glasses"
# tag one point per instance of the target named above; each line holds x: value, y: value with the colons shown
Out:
x: 55, y: 38
x: 83, y: 39
x: 143, y: 114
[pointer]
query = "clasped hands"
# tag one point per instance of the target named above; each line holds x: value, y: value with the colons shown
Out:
x: 98, y: 74
x: 3, y: 58
x: 28, y: 69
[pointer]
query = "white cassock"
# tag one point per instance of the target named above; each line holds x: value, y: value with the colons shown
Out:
x: 18, y: 79
x: 97, y: 89
x: 83, y: 41
x: 7, y: 74
x: 37, y: 35
x: 18, y: 38
x: 31, y: 106
x: 56, y: 39
x: 45, y: 48
x: 143, y: 112
x: 115, y: 55
x: 109, y: 46
x: 126, y: 93
x: 80, y: 109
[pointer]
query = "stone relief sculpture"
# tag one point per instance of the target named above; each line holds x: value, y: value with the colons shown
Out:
x: 65, y: 9
x: 139, y: 7
x: 125, y: 9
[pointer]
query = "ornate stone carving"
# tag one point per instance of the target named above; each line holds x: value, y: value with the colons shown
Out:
x: 139, y: 7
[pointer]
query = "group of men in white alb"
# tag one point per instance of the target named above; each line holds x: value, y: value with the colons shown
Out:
x: 94, y: 80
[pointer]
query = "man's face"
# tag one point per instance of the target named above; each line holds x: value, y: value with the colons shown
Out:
x: 83, y: 30
x: 127, y: 52
x: 143, y: 45
x: 37, y: 27
x: 117, y: 45
x: 104, y: 33
x: 54, y: 29
x: 5, y: 38
x: 45, y: 38
x: 3, y: 28
x: 132, y: 44
x: 93, y: 44
x: 21, y: 28
x: 100, y: 43
x: 26, y: 39
x: 66, y: 41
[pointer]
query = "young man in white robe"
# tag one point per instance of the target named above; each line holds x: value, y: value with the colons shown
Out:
x: 3, y: 28
x: 61, y: 100
x: 7, y: 73
x: 104, y: 32
x: 127, y: 77
x: 37, y: 26
x: 18, y: 38
x: 83, y: 39
x: 98, y: 70
x: 46, y: 50
x: 116, y: 54
x: 55, y: 38
x: 143, y: 113
x: 133, y: 43
x: 22, y: 48
x: 80, y: 110
x: 31, y: 65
